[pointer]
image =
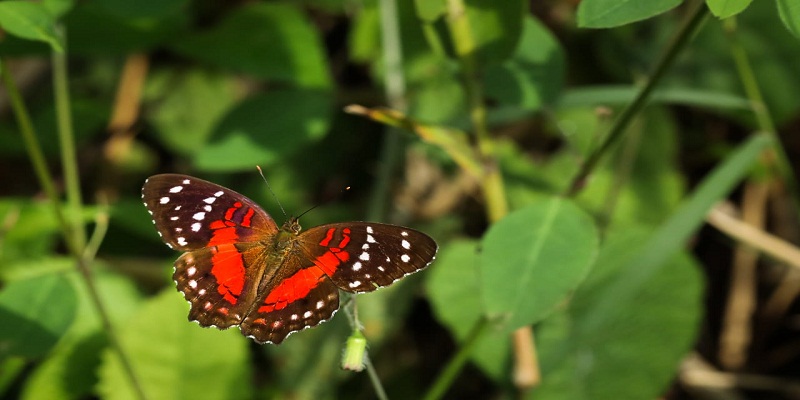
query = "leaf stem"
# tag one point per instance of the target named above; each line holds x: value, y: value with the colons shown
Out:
x: 454, y: 366
x: 697, y: 14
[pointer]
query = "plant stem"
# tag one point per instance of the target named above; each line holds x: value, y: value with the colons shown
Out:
x: 445, y: 379
x: 67, y: 138
x: 696, y: 16
x: 45, y: 180
x: 774, y: 158
x: 395, y: 84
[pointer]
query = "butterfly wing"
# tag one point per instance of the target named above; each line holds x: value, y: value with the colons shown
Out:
x: 219, y: 229
x: 363, y: 256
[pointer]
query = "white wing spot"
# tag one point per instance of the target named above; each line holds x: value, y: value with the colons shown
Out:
x: 169, y: 245
x: 367, y: 276
x: 277, y: 324
x: 405, y: 244
x: 404, y: 233
x: 181, y: 240
x: 307, y: 314
x: 177, y: 208
x: 364, y: 256
x: 356, y: 266
x: 175, y: 218
x: 159, y: 234
x: 193, y: 284
x: 164, y: 200
x: 179, y: 230
x: 210, y: 200
x: 151, y: 213
x: 369, y: 229
x: 199, y: 216
x: 220, y: 193
x: 387, y: 259
x: 320, y: 304
x: 207, y: 208
x: 176, y: 189
x: 381, y: 269
x: 196, y: 227
x: 294, y: 317
x: 201, y: 292
x: 365, y: 246
x: 191, y: 271
x: 355, y: 284
x: 207, y: 306
x: 185, y: 181
x: 370, y: 239
x: 405, y: 258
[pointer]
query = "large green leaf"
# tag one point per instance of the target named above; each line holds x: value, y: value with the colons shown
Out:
x: 789, y: 11
x: 69, y: 371
x: 29, y: 20
x: 141, y: 8
x: 611, y: 13
x: 534, y: 75
x: 34, y: 314
x: 727, y: 8
x: 188, y: 107
x: 265, y: 128
x: 533, y: 258
x: 453, y: 287
x: 660, y: 320
x: 268, y: 40
x: 174, y: 358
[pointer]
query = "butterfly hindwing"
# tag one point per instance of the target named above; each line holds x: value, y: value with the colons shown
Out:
x: 363, y: 256
x: 299, y: 301
x: 190, y: 213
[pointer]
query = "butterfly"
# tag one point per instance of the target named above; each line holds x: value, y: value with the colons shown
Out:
x: 240, y: 269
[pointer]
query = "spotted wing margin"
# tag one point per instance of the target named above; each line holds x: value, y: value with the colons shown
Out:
x: 363, y: 256
x: 190, y: 213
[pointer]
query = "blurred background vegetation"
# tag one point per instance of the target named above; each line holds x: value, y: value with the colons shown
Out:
x: 611, y: 183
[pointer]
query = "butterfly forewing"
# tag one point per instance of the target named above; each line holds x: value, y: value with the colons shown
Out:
x: 190, y: 213
x: 363, y: 256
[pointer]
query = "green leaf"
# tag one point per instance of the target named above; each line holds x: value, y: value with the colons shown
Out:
x: 727, y: 8
x: 267, y: 40
x: 453, y: 286
x: 69, y: 371
x: 608, y: 95
x: 30, y: 21
x: 34, y: 314
x: 789, y: 11
x: 611, y: 13
x: 533, y: 258
x: 191, y: 104
x: 172, y: 357
x: 58, y: 8
x: 676, y: 231
x: 660, y: 320
x: 534, y: 75
x: 141, y: 8
x: 265, y: 128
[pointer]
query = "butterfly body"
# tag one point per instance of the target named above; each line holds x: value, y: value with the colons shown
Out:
x: 240, y: 269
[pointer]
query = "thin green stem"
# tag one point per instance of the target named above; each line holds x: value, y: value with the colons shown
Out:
x: 395, y: 87
x: 45, y: 180
x: 696, y: 16
x: 351, y: 310
x: 454, y: 366
x: 99, y: 233
x: 766, y: 125
x: 67, y: 138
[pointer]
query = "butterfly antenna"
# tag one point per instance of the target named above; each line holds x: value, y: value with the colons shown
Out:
x: 317, y: 205
x: 273, y: 193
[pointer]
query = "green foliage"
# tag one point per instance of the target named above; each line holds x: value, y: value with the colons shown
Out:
x: 531, y: 259
x: 34, y: 314
x: 504, y: 107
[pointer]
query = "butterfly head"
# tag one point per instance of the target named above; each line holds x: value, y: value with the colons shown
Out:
x: 292, y: 225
